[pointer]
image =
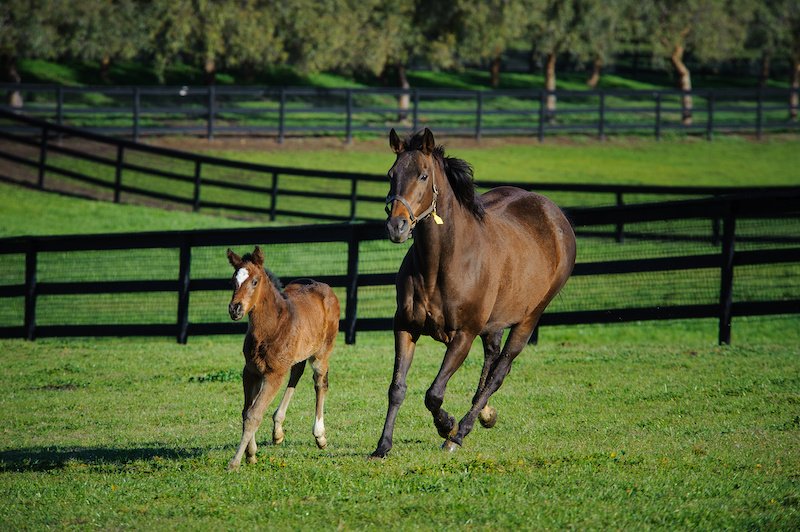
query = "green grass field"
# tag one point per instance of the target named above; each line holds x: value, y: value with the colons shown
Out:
x: 641, y: 426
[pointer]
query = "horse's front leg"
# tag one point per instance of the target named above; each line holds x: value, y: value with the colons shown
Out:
x: 255, y: 413
x: 457, y: 351
x: 251, y: 382
x: 404, y: 344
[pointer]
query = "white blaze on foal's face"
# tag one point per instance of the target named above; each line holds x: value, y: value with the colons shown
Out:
x: 241, y: 276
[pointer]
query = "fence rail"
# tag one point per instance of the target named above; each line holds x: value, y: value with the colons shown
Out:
x: 61, y: 260
x: 122, y: 168
x: 282, y: 111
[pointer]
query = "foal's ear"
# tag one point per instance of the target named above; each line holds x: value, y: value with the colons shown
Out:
x: 258, y: 257
x: 234, y: 259
x: 394, y: 142
x: 427, y: 144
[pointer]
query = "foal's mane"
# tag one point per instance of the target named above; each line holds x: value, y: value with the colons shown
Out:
x: 274, y: 279
x: 459, y: 173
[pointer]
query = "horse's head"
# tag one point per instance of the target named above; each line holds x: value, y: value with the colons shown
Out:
x: 248, y: 281
x: 413, y: 189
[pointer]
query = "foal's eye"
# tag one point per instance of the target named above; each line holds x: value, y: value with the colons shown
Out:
x: 255, y: 281
x: 423, y: 177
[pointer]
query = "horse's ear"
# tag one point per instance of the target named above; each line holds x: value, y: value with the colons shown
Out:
x: 234, y: 259
x: 428, y: 144
x: 258, y: 256
x: 394, y: 142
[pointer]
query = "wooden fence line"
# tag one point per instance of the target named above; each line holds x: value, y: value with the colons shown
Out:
x: 729, y: 209
x: 207, y: 104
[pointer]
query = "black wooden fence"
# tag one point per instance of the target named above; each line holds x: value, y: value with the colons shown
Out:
x: 282, y: 111
x: 111, y: 167
x: 760, y: 241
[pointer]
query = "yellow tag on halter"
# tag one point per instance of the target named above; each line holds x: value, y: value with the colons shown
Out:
x: 437, y: 219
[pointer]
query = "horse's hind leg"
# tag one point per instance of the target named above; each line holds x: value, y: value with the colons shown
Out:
x: 517, y: 340
x: 320, y: 367
x: 280, y: 414
x: 491, y: 351
x: 457, y: 351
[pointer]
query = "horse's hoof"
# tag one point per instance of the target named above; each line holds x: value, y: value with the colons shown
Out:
x: 452, y: 432
x: 322, y: 442
x: 450, y: 446
x: 377, y: 455
x: 233, y: 466
x: 252, y: 459
x: 488, y: 417
x: 278, y: 436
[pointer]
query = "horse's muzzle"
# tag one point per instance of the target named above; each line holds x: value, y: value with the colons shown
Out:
x: 399, y: 229
x: 236, y: 311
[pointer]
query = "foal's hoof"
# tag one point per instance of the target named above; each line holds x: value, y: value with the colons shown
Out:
x: 488, y: 416
x: 233, y: 466
x: 450, y: 446
x: 322, y: 442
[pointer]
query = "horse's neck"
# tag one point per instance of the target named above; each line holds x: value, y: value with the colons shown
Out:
x: 265, y: 317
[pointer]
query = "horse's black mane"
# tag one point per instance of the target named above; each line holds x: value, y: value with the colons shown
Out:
x: 274, y: 279
x: 459, y: 173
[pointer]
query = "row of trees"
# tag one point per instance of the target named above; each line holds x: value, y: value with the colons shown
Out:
x: 382, y: 37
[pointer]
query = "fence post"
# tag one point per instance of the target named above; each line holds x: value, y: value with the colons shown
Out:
x: 281, y: 115
x: 118, y: 173
x: 715, y: 231
x: 416, y: 110
x: 60, y: 105
x: 196, y: 199
x: 710, y: 122
x: 478, y: 114
x: 43, y: 155
x: 30, y: 291
x: 534, y: 339
x: 348, y: 133
x: 542, y: 104
x: 602, y: 112
x: 658, y: 116
x: 184, y: 277
x: 212, y: 92
x: 620, y: 234
x: 726, y: 278
x: 273, y: 196
x: 351, y: 304
x: 353, y: 197
x: 136, y: 105
x: 759, y: 114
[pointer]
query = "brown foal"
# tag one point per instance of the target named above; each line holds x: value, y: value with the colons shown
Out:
x: 479, y: 265
x: 286, y: 328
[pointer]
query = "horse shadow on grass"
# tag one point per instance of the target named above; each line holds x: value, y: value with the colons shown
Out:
x: 51, y: 458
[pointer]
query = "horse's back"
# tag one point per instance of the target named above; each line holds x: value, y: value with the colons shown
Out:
x: 313, y: 296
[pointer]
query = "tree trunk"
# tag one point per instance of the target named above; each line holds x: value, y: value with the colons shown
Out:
x: 766, y: 61
x: 11, y: 75
x: 594, y: 79
x: 494, y: 72
x: 404, y: 101
x: 550, y: 85
x: 684, y: 84
x: 210, y: 71
x: 794, y: 100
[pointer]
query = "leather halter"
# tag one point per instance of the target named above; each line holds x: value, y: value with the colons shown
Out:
x: 407, y: 205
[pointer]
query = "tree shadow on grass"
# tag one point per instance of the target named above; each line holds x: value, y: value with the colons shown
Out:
x: 50, y: 458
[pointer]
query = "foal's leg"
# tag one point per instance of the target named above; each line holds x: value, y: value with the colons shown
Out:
x: 517, y: 340
x: 255, y: 413
x: 320, y: 367
x: 251, y: 382
x: 404, y: 344
x: 457, y: 351
x: 491, y: 352
x: 280, y: 414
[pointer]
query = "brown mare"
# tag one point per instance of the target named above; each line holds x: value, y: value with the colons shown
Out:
x: 478, y: 265
x: 286, y: 328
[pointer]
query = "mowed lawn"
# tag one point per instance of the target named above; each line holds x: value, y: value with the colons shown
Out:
x: 639, y: 426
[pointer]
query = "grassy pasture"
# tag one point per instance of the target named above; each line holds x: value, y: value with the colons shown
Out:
x: 637, y: 426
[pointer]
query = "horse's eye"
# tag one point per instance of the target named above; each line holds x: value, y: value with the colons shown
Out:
x: 423, y: 177
x: 255, y: 281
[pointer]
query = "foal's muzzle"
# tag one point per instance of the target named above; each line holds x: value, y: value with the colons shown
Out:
x: 236, y: 311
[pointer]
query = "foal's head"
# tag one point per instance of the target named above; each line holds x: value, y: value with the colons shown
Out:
x: 249, y: 280
x: 413, y: 183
